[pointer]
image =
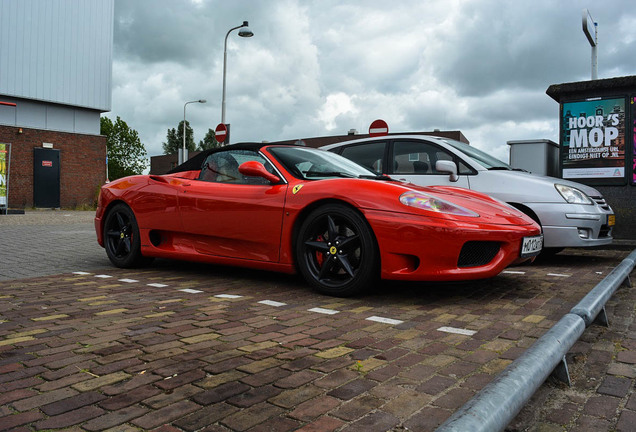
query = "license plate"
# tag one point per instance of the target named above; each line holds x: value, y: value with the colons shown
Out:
x: 611, y: 220
x: 531, y: 246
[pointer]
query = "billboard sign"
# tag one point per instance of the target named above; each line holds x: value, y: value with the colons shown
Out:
x: 5, y: 152
x: 593, y: 139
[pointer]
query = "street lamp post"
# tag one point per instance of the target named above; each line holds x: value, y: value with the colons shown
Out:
x: 244, y: 32
x: 183, y: 156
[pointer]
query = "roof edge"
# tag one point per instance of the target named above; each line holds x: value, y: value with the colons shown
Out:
x: 558, y: 92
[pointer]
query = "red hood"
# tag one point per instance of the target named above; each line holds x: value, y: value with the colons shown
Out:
x: 385, y: 196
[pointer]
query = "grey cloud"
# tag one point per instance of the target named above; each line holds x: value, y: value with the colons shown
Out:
x: 478, y: 66
x: 503, y: 44
x: 160, y: 31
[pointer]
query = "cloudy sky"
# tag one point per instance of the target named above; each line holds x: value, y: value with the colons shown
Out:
x: 323, y: 67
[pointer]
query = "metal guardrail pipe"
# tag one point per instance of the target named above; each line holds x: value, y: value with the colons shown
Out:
x: 497, y: 404
x: 594, y: 302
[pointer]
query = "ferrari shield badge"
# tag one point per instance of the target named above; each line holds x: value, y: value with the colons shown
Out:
x: 296, y: 189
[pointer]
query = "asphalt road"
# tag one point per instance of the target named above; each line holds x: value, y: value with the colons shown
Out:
x: 178, y: 346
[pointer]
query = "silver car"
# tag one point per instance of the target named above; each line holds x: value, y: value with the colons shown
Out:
x: 571, y: 214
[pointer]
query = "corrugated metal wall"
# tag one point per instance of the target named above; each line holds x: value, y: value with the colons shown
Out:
x: 57, y: 51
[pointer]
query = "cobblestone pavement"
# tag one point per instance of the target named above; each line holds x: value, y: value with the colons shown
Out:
x: 46, y: 242
x: 187, y: 347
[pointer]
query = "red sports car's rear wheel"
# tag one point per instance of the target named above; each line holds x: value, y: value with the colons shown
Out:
x: 336, y: 251
x: 121, y: 238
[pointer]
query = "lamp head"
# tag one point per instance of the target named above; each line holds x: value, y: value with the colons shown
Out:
x: 245, y: 31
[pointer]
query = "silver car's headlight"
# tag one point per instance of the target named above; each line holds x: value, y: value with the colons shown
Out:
x: 432, y: 203
x: 573, y: 195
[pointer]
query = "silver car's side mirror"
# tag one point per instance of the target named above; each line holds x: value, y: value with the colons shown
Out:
x: 449, y: 167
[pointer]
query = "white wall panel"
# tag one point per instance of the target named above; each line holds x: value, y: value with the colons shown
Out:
x: 60, y: 118
x: 46, y: 115
x: 57, y: 51
x: 87, y: 122
x: 8, y: 115
x: 31, y: 114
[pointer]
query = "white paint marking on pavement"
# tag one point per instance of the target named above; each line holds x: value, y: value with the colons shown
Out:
x: 513, y: 272
x: 228, y: 296
x: 457, y: 331
x: 559, y: 275
x: 384, y: 320
x: 128, y: 280
x: 272, y: 303
x: 102, y: 276
x: 81, y: 273
x: 323, y: 311
x: 157, y: 285
x: 191, y: 291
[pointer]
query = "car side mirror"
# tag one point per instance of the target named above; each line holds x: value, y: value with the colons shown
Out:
x: 447, y: 167
x: 257, y: 169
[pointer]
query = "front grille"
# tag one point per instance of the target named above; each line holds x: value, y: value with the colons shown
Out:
x: 600, y: 201
x: 477, y: 253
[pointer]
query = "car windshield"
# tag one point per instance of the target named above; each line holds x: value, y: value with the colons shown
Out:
x: 312, y: 164
x: 483, y: 158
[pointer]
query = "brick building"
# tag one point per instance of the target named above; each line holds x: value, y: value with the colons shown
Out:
x: 54, y: 85
x: 82, y: 165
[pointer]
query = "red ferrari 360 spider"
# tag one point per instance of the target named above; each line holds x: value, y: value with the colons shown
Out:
x: 292, y: 208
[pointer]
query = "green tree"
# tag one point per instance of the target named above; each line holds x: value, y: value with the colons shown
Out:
x: 209, y: 141
x: 174, y: 139
x: 126, y: 153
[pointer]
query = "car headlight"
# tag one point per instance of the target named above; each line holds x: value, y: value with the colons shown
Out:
x: 432, y: 203
x: 573, y: 195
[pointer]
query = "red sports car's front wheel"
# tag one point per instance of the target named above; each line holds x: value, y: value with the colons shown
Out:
x: 336, y: 251
x: 121, y: 237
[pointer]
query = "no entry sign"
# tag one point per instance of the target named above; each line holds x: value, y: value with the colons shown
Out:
x: 378, y: 128
x: 220, y: 132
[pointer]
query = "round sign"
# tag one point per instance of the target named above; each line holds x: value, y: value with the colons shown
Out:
x: 220, y: 132
x: 378, y: 128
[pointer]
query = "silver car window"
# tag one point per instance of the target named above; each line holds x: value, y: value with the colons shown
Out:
x: 483, y: 158
x: 369, y: 155
x: 420, y: 157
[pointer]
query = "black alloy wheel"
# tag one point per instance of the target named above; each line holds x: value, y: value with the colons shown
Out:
x: 121, y: 237
x: 336, y: 251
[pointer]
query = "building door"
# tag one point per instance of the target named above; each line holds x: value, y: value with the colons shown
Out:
x: 46, y: 178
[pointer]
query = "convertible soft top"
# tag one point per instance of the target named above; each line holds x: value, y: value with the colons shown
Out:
x: 196, y: 162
